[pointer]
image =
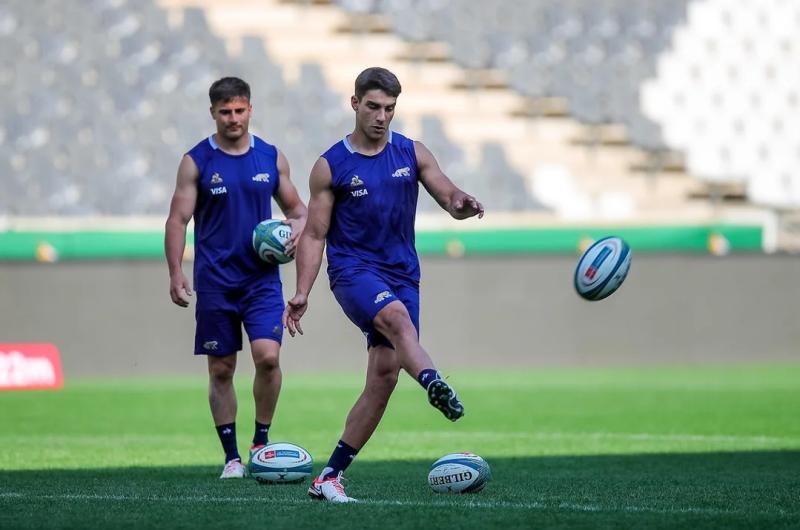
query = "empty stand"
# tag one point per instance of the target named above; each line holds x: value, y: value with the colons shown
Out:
x: 535, y: 106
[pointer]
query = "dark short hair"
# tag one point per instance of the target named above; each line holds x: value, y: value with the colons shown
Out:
x: 227, y: 88
x: 377, y: 77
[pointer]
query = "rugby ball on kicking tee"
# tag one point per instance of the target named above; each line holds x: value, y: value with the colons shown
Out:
x: 280, y: 462
x: 459, y: 473
x: 269, y: 241
x: 602, y: 268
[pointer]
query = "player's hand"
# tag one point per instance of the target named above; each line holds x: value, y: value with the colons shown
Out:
x: 297, y: 230
x: 465, y: 206
x: 180, y: 290
x: 295, y: 308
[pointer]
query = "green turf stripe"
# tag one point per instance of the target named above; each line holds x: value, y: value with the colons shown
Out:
x: 606, y: 448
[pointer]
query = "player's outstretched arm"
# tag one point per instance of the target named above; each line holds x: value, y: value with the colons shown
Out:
x: 311, y: 244
x: 458, y: 204
x: 181, y: 210
x: 291, y: 204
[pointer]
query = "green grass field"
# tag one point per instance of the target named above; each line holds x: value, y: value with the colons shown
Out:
x: 699, y: 447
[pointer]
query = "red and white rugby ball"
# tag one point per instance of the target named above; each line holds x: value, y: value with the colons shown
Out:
x: 280, y: 462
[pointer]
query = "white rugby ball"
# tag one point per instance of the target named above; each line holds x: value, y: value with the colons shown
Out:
x: 459, y: 473
x: 269, y: 241
x: 602, y: 268
x: 280, y: 462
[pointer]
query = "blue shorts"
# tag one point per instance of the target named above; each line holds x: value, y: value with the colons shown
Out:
x: 220, y: 316
x: 363, y: 293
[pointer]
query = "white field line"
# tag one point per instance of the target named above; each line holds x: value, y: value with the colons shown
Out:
x: 601, y: 435
x: 446, y: 434
x: 598, y: 436
x: 531, y: 506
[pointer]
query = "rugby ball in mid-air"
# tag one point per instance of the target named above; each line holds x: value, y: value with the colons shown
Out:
x: 269, y: 241
x: 280, y: 462
x: 459, y: 473
x: 602, y: 268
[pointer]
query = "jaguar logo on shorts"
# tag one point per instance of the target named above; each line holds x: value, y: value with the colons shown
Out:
x: 382, y: 296
x: 210, y: 345
x: 276, y: 330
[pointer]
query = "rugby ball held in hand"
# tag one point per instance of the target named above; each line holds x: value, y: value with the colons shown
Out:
x: 280, y: 462
x: 602, y: 268
x: 269, y: 241
x: 459, y: 473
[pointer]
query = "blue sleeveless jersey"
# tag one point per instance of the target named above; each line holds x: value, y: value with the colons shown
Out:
x: 234, y: 195
x: 372, y: 222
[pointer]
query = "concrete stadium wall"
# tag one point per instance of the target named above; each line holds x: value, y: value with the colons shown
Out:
x: 115, y: 318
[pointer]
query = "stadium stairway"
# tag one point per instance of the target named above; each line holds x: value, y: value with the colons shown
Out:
x: 579, y: 171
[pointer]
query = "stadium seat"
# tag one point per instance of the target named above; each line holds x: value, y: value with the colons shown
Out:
x: 112, y: 71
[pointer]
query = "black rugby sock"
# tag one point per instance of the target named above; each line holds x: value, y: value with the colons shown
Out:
x: 262, y: 432
x: 426, y: 376
x: 227, y: 436
x: 342, y: 457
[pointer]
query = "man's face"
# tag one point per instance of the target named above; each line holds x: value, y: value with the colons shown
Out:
x: 232, y: 117
x: 374, y: 113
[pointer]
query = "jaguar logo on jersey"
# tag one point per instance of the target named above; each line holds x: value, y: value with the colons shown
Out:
x: 216, y: 179
x: 402, y: 172
x: 383, y: 295
x: 261, y: 177
x: 355, y: 181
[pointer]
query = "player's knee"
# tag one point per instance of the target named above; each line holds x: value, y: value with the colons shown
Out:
x: 221, y: 372
x: 394, y: 322
x: 388, y: 380
x: 382, y: 383
x: 267, y: 361
x: 265, y: 355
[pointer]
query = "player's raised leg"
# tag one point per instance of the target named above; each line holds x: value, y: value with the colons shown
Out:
x: 394, y: 322
x: 382, y: 371
x: 266, y: 388
x: 222, y: 399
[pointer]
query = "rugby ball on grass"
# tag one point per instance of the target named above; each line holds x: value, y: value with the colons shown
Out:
x: 280, y: 462
x: 459, y: 473
x: 269, y: 241
x: 602, y: 268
